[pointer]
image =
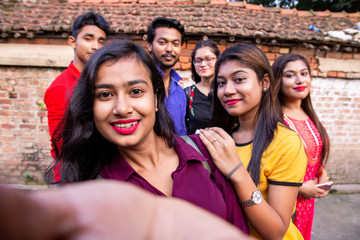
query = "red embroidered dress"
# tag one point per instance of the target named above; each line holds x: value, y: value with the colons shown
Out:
x: 311, y: 139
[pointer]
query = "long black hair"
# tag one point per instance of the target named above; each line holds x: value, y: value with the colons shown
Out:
x: 306, y: 104
x: 268, y: 114
x: 201, y: 44
x: 81, y: 151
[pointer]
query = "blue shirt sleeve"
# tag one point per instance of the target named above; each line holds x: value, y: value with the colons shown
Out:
x: 176, y: 104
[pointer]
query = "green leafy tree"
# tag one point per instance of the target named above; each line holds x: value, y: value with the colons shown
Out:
x: 316, y: 5
x: 265, y: 3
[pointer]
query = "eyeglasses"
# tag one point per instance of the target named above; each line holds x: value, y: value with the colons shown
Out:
x: 208, y: 61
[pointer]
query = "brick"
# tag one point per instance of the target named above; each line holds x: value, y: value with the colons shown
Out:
x: 341, y: 74
x: 7, y: 88
x: 275, y: 49
x: 185, y: 66
x: 321, y: 54
x: 347, y: 56
x: 322, y: 74
x: 271, y: 56
x: 186, y: 52
x: 219, y: 2
x: 334, y: 55
x: 177, y: 66
x: 222, y: 48
x: 184, y: 59
x: 5, y: 101
x: 332, y: 74
x: 39, y: 41
x: 307, y: 53
x: 57, y: 41
x: 6, y: 113
x: 314, y: 73
x: 11, y: 81
x: 18, y: 40
x: 190, y: 46
x: 314, y: 65
x: 148, y: 1
x: 284, y: 50
x: 265, y: 48
x: 27, y: 126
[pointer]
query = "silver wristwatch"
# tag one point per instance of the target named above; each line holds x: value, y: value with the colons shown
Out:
x: 256, y: 198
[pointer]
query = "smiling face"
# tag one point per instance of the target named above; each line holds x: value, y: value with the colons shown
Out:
x: 166, y: 47
x: 296, y: 81
x: 204, y: 62
x: 124, y: 104
x: 89, y: 39
x: 239, y: 89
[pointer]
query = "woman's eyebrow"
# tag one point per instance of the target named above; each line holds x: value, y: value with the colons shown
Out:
x: 128, y: 83
x: 104, y: 85
x: 136, y: 81
x: 234, y: 73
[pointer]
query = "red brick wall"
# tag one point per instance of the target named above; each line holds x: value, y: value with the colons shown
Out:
x: 337, y: 103
x: 24, y: 139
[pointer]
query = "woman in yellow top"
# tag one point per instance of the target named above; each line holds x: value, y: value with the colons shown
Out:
x: 267, y: 162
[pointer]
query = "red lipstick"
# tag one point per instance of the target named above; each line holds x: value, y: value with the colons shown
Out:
x: 232, y: 101
x: 125, y: 127
x: 300, y: 88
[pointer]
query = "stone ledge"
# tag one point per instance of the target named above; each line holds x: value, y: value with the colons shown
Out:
x: 340, y: 65
x: 30, y: 187
x: 347, y: 188
x: 37, y: 55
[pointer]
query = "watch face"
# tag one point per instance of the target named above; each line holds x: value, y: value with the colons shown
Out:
x: 257, y: 197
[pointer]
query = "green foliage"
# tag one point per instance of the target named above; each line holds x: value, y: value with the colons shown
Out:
x: 30, y: 179
x: 316, y: 5
x: 332, y: 5
x: 41, y: 105
x: 265, y: 3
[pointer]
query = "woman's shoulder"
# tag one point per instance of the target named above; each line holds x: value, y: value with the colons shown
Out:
x: 284, y: 131
x: 199, y: 143
x: 188, y: 91
x: 285, y: 139
x: 286, y: 158
x: 189, y: 88
x: 202, y: 148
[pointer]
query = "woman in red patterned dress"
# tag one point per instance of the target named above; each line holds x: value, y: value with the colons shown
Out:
x: 293, y: 82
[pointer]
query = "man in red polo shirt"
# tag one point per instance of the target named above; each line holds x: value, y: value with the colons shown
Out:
x: 89, y: 33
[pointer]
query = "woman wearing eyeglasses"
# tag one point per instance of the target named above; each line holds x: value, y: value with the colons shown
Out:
x: 199, y: 95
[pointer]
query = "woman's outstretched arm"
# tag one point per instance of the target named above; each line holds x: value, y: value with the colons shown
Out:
x: 105, y: 210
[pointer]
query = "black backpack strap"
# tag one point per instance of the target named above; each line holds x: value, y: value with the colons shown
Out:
x: 191, y: 142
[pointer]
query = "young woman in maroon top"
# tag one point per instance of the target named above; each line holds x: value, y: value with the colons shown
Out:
x: 117, y: 126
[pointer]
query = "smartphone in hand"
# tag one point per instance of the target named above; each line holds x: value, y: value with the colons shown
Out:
x: 326, y: 186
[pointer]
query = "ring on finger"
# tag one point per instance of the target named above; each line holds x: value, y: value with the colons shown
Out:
x: 213, y: 140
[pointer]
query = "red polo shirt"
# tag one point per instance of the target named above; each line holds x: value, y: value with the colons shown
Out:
x: 191, y: 182
x: 57, y: 98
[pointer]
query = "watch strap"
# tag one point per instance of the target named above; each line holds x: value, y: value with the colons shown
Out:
x: 251, y: 201
x: 247, y: 203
